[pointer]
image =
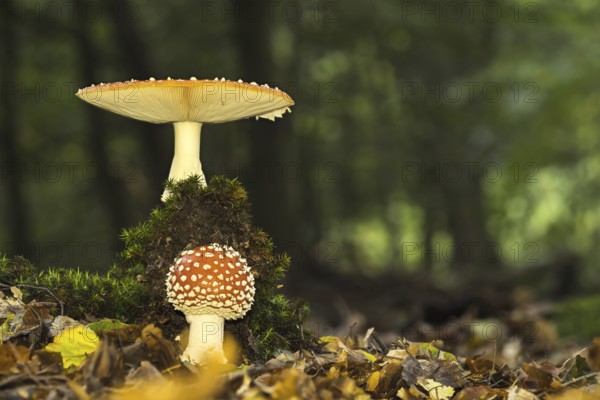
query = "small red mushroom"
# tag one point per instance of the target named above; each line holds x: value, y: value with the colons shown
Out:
x: 209, y: 284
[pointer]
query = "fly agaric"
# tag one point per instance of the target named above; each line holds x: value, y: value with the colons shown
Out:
x: 188, y: 104
x: 209, y: 284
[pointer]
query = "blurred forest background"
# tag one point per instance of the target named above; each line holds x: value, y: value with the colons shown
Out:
x: 455, y: 141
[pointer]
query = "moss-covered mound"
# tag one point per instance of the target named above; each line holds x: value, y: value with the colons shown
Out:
x: 219, y: 213
x: 134, y: 288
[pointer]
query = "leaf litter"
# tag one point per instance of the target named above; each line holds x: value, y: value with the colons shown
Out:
x: 47, y: 357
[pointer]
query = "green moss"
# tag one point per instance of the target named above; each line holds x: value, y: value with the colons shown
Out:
x: 578, y: 318
x: 80, y: 292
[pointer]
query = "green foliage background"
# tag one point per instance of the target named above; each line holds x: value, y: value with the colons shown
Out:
x: 392, y: 98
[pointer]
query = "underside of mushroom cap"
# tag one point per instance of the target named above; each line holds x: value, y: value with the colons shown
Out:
x: 176, y: 100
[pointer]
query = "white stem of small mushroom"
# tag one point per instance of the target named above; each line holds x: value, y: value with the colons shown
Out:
x: 205, y: 345
x: 186, y: 161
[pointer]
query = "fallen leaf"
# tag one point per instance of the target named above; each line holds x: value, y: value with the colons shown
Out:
x: 74, y: 344
x: 16, y: 292
x: 411, y: 370
x: 517, y: 393
x: 574, y: 368
x: 10, y: 356
x: 60, y: 323
x: 593, y: 354
x: 436, y: 390
x: 478, y: 393
x: 373, y: 381
x: 536, y: 379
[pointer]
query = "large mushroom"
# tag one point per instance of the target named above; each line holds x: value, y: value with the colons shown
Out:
x: 188, y: 104
x: 209, y: 284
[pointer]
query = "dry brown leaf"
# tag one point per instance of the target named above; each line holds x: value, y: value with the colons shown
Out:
x: 591, y: 392
x: 593, y: 355
x: 478, y: 393
x: 11, y: 356
x: 435, y: 390
x: 151, y: 336
x: 517, y: 393
x: 537, y: 379
x: 386, y: 381
x: 411, y: 370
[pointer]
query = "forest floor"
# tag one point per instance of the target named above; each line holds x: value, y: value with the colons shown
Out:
x: 513, y: 357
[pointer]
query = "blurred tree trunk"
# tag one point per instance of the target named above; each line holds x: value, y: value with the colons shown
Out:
x: 111, y: 193
x: 16, y: 209
x: 446, y: 142
x: 285, y: 207
x: 134, y: 57
x: 252, y: 37
x: 473, y: 246
x: 428, y: 232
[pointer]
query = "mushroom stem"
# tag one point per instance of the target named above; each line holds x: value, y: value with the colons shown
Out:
x: 186, y: 161
x: 205, y: 343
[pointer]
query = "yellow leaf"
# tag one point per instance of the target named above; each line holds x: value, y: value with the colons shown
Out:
x: 369, y: 356
x: 431, y: 350
x: 17, y: 293
x: 373, y: 381
x: 436, y: 390
x: 74, y: 344
x: 328, y: 339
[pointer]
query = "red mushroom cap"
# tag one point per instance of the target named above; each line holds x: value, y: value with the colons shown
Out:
x: 211, y: 279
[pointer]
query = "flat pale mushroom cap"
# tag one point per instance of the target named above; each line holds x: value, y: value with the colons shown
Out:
x: 177, y: 100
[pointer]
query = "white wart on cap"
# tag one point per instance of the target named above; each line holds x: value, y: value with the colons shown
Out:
x: 209, y: 284
x: 188, y: 104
